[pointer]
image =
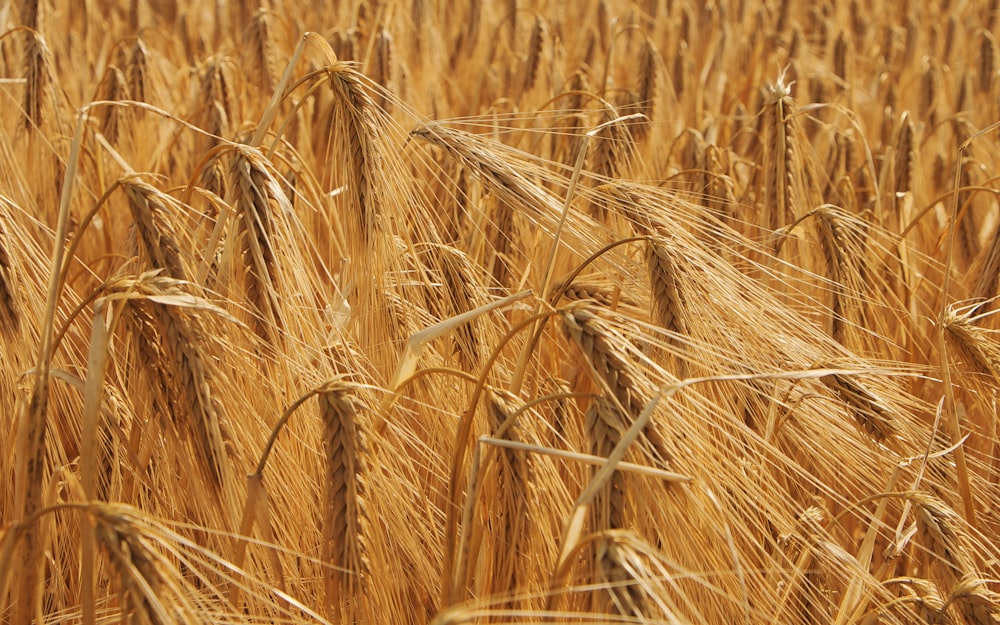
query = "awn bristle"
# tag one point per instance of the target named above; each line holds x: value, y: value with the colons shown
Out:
x: 703, y: 250
x: 345, y: 520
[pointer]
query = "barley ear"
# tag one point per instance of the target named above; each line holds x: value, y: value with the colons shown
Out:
x: 345, y: 492
x: 872, y: 414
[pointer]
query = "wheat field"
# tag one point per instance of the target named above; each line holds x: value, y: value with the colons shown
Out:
x: 516, y: 311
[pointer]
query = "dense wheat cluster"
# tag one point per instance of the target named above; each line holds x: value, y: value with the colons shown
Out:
x: 519, y: 311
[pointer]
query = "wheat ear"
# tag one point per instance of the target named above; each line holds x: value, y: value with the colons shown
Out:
x: 605, y: 425
x: 509, y: 498
x: 175, y: 351
x: 258, y: 202
x: 38, y: 81
x: 260, y: 48
x: 872, y: 414
x: 607, y: 352
x: 345, y: 491
x: 975, y: 344
x: 781, y: 159
x: 357, y: 127
x: 10, y: 316
x: 940, y: 530
x: 151, y: 210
